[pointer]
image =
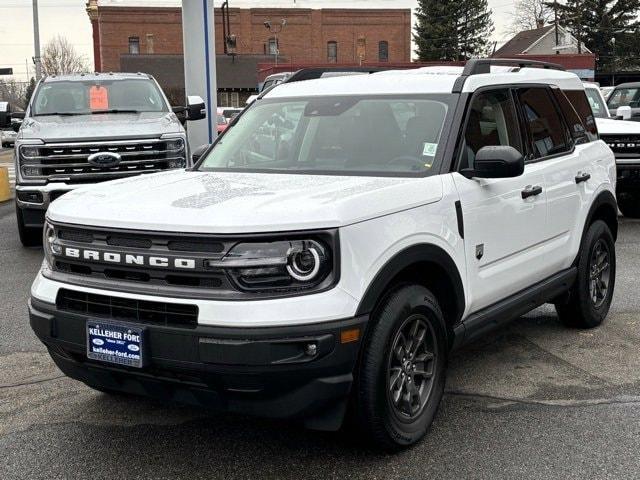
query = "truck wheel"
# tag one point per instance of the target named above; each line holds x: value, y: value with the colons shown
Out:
x: 629, y: 205
x: 401, y: 377
x: 29, y: 236
x: 589, y: 299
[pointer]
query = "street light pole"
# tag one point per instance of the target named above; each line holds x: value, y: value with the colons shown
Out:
x: 275, y: 29
x: 36, y: 41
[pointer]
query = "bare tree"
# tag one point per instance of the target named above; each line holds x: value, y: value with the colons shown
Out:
x: 60, y: 57
x: 13, y: 92
x: 528, y: 14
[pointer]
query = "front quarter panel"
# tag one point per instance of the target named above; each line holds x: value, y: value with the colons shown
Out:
x: 366, y: 247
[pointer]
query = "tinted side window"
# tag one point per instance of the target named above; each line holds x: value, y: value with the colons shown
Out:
x: 491, y: 121
x: 546, y: 129
x: 582, y: 106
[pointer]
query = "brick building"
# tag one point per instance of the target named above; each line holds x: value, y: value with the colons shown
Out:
x: 310, y: 36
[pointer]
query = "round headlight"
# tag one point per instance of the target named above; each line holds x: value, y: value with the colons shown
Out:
x: 304, y: 265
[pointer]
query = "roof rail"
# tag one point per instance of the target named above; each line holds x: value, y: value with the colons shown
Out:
x: 477, y: 66
x: 318, y: 72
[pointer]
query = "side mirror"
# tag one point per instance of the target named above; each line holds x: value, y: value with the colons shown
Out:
x: 195, y: 108
x: 198, y: 152
x: 16, y: 120
x: 624, y: 112
x: 180, y: 113
x: 501, y: 161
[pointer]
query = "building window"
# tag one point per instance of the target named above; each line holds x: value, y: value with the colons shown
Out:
x: 332, y: 52
x: 134, y: 45
x: 383, y: 51
x: 273, y: 46
x: 223, y: 99
x: 235, y: 99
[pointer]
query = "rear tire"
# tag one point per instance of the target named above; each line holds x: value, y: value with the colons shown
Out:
x: 589, y: 299
x: 29, y: 236
x: 629, y: 205
x: 401, y: 376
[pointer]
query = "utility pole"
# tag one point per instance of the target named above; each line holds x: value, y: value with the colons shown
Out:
x: 36, y: 41
x: 555, y: 21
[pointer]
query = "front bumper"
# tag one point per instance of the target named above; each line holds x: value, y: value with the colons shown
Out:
x: 628, y: 176
x: 33, y: 200
x: 266, y: 372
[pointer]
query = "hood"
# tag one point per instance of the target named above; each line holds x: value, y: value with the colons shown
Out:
x: 207, y: 202
x: 609, y: 126
x: 108, y: 126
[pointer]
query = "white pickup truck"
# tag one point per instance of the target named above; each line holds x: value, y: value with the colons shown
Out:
x: 623, y: 137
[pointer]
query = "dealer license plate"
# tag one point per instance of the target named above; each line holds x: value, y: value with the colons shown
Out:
x: 115, y: 343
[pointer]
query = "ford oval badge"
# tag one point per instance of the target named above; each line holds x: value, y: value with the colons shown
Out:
x: 104, y: 159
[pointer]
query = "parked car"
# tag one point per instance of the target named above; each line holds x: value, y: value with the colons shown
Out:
x: 332, y: 251
x: 87, y: 128
x: 623, y: 137
x: 221, y: 122
x: 624, y: 101
x: 7, y: 138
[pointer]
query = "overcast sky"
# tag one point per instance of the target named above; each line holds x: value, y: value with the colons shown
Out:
x: 68, y: 17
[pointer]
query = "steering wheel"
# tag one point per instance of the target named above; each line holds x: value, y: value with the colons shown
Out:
x: 407, y: 159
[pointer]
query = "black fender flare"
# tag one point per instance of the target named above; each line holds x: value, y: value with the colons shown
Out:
x: 406, y: 258
x: 604, y: 198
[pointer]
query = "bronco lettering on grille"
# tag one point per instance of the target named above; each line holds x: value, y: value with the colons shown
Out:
x: 128, y: 259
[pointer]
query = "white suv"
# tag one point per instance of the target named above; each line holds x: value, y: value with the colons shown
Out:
x: 335, y: 244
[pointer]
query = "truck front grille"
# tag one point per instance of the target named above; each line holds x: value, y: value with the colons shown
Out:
x: 68, y: 162
x: 623, y: 146
x: 157, y: 313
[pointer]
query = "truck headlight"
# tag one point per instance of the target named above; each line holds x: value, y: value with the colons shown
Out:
x: 295, y: 265
x: 50, y: 243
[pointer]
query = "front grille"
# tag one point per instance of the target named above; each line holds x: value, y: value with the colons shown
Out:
x: 197, y: 247
x: 156, y: 313
x: 623, y: 146
x: 69, y: 161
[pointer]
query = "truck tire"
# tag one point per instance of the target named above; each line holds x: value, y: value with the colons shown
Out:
x: 401, y: 376
x: 588, y: 301
x: 29, y: 236
x: 629, y: 205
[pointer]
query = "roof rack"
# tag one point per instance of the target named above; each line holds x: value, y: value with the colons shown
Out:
x: 317, y: 72
x: 477, y: 66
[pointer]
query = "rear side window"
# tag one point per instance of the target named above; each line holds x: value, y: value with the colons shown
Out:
x: 581, y: 104
x: 547, y: 132
x: 574, y: 122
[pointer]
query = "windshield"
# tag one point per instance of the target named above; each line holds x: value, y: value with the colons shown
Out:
x: 624, y: 97
x: 597, y: 105
x: 80, y: 97
x: 344, y: 135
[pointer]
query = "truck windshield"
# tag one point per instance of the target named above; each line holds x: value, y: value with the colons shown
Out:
x: 339, y: 135
x: 81, y: 97
x: 624, y: 97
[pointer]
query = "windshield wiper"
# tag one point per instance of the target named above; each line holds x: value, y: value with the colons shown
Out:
x: 62, y: 114
x: 115, y: 110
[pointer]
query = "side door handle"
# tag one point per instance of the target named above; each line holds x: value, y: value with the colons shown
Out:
x: 531, y: 191
x: 582, y: 177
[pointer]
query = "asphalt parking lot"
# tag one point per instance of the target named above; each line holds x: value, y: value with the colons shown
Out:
x: 535, y: 400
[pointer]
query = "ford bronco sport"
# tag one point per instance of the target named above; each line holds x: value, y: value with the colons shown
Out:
x: 330, y: 250
x: 87, y: 128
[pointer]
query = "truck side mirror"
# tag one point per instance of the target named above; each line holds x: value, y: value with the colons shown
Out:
x: 500, y: 161
x: 198, y: 152
x: 624, y: 112
x: 16, y: 120
x: 195, y: 108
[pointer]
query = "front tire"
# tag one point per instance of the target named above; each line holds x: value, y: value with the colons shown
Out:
x: 29, y: 236
x: 589, y: 299
x: 629, y: 204
x: 401, y: 377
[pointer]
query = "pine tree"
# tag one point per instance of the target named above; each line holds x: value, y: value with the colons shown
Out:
x: 452, y: 30
x: 29, y: 91
x: 603, y: 26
